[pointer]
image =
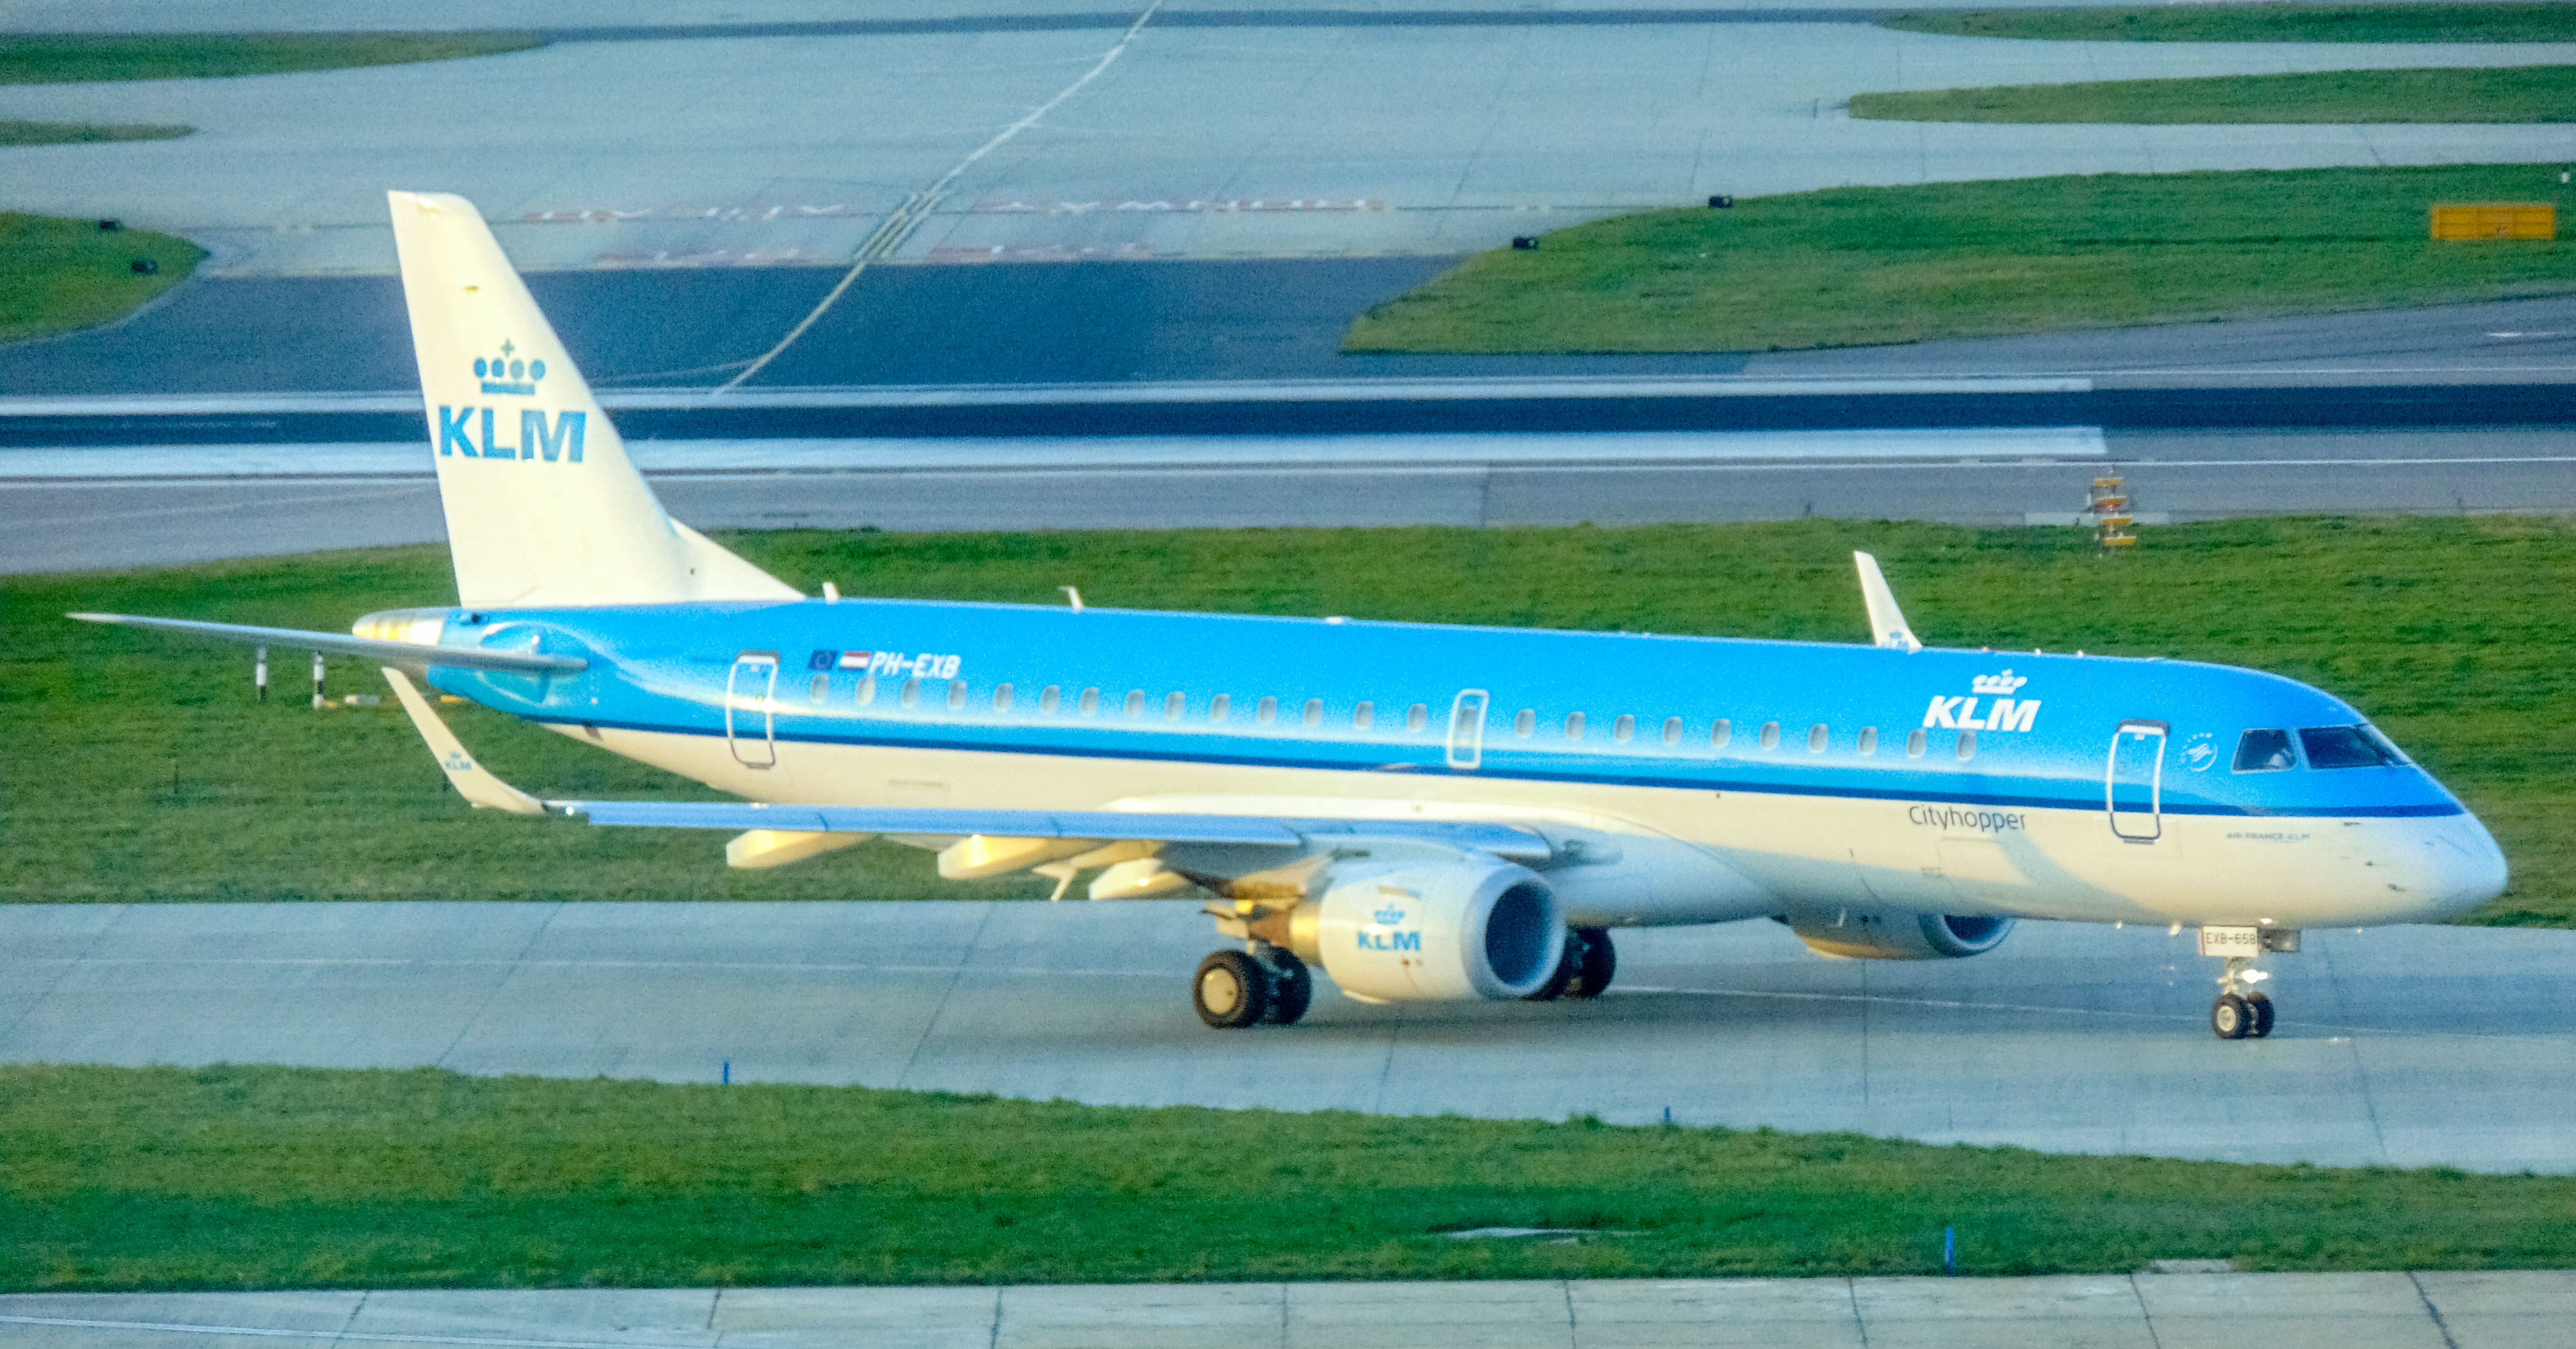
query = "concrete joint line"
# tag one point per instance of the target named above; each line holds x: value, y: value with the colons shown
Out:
x: 2432, y: 1311
x: 916, y: 208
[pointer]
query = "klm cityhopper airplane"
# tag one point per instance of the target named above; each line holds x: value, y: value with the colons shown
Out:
x: 1426, y: 812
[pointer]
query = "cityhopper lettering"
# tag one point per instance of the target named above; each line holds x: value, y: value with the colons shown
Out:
x: 552, y: 439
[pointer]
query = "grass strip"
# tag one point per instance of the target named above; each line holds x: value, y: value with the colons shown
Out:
x: 277, y: 1178
x: 2254, y: 23
x: 87, y: 133
x: 140, y: 769
x: 66, y: 58
x: 1858, y: 266
x: 66, y: 274
x: 2519, y: 94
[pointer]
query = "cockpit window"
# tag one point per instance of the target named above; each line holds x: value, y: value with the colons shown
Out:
x: 2343, y: 747
x: 2264, y: 752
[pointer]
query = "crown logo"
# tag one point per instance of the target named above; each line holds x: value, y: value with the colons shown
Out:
x: 2004, y: 683
x: 507, y: 374
x: 1389, y: 915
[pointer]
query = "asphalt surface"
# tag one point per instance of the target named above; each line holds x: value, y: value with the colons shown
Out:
x: 2405, y: 1046
x: 2390, y: 1310
x: 1041, y: 131
x: 1274, y: 319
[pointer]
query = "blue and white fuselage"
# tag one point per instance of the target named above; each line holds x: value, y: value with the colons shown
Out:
x: 1426, y: 811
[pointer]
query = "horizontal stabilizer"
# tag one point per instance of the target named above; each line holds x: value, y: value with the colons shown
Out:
x: 342, y: 644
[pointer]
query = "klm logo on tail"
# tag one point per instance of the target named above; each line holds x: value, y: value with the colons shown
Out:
x: 540, y: 437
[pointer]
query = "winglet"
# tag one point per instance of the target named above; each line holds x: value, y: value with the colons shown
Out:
x: 473, y: 781
x: 1887, y: 626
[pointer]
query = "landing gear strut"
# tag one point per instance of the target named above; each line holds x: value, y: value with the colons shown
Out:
x: 1585, y: 969
x: 2241, y: 1012
x: 1234, y: 989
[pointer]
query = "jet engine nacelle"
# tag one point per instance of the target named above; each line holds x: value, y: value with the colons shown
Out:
x: 1403, y: 932
x: 1899, y: 936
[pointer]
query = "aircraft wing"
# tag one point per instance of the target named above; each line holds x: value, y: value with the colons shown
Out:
x: 1138, y: 826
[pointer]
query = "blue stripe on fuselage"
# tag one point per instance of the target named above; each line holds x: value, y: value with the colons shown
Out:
x: 664, y: 668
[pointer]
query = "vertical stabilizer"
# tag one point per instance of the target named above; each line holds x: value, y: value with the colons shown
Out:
x: 543, y: 506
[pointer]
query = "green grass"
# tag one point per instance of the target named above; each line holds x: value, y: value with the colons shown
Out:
x: 2255, y: 23
x: 48, y: 58
x: 65, y: 274
x: 139, y: 769
x: 87, y: 133
x: 1863, y: 265
x: 2507, y: 94
x: 271, y: 1178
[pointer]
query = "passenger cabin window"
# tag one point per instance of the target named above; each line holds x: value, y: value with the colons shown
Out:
x: 1050, y: 699
x: 1135, y: 702
x: 1001, y: 697
x: 1967, y: 745
x: 867, y: 690
x: 1573, y: 725
x: 1266, y: 711
x: 1672, y: 730
x: 1364, y: 715
x: 820, y: 689
x: 2344, y: 747
x: 1314, y: 712
x: 1526, y: 722
x: 912, y: 693
x: 1417, y: 716
x: 1218, y: 706
x: 1719, y: 732
x: 956, y: 694
x: 1090, y: 702
x: 1868, y: 741
x: 1915, y: 740
x: 2264, y: 752
x: 1624, y: 729
x: 1174, y: 704
x: 1770, y: 735
x: 1817, y: 737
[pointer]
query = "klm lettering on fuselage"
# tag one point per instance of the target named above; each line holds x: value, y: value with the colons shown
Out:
x: 552, y: 439
x: 2004, y: 714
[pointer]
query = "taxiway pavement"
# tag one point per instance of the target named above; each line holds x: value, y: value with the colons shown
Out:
x: 2408, y: 1046
x: 2498, y: 1309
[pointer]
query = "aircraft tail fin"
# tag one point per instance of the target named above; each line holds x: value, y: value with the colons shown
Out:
x: 543, y: 506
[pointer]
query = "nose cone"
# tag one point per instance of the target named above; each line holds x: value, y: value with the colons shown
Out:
x: 2469, y: 868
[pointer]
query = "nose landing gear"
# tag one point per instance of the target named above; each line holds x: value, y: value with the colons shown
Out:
x: 2241, y: 1012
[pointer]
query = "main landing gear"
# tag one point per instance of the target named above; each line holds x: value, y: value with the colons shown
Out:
x: 1585, y: 969
x: 2241, y: 1012
x: 1234, y: 989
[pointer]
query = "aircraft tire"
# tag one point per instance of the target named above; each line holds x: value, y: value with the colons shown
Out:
x: 1292, y: 989
x: 1230, y: 990
x: 2261, y: 1007
x: 1596, y: 966
x: 1567, y: 967
x: 2230, y: 1018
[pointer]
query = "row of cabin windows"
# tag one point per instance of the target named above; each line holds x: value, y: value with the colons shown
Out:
x: 1623, y: 728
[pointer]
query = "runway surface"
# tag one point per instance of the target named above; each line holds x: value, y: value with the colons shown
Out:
x: 2393, y: 1310
x: 2408, y: 1046
x: 1123, y: 323
x: 1037, y: 131
x: 52, y: 522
